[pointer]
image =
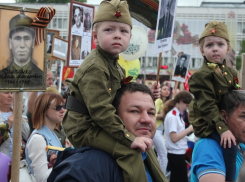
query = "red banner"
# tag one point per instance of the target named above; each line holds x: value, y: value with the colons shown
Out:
x: 186, y: 86
x: 67, y: 73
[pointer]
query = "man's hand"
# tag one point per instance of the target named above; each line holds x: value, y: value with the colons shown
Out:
x: 142, y: 143
x: 227, y: 136
x: 156, y: 90
x: 10, y: 121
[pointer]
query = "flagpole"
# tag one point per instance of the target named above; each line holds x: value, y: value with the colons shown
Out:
x: 158, y: 67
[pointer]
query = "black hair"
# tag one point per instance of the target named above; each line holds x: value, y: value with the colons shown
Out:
x: 232, y: 100
x: 183, y: 56
x: 131, y: 88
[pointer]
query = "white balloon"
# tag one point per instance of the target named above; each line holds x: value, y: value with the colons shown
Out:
x: 137, y: 46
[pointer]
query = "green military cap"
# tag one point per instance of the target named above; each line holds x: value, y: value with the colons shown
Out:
x: 20, y: 21
x: 215, y: 28
x: 114, y: 10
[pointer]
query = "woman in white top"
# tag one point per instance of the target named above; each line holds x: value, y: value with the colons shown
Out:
x: 175, y: 134
x: 48, y: 112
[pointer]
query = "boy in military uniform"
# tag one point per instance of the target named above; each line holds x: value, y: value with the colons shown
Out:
x: 91, y: 119
x: 208, y: 84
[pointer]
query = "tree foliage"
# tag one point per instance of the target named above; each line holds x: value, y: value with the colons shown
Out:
x: 239, y: 57
x: 47, y: 1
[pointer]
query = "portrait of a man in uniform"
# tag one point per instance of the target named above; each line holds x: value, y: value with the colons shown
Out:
x: 77, y: 26
x: 22, y: 70
x: 166, y: 19
x: 181, y: 69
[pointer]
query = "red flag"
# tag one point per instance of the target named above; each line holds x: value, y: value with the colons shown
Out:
x: 186, y: 86
x: 67, y: 73
x: 93, y: 45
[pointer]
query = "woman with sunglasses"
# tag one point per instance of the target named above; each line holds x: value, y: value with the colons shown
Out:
x: 48, y: 112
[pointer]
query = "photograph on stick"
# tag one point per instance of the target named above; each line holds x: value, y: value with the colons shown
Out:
x: 60, y: 47
x: 165, y: 25
x: 49, y: 42
x: 22, y: 64
x: 80, y: 33
x: 181, y: 68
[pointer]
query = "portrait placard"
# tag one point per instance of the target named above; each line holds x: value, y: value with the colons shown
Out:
x: 165, y: 25
x: 23, y: 63
x: 181, y: 68
x: 59, y: 49
x: 49, y: 43
x: 80, y: 33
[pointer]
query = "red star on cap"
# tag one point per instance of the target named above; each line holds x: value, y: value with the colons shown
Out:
x: 118, y: 14
x: 213, y: 31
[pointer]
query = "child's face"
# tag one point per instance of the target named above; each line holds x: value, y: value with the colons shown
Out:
x: 113, y: 37
x: 215, y: 49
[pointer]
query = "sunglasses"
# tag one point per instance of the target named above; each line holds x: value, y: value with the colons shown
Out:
x: 59, y: 107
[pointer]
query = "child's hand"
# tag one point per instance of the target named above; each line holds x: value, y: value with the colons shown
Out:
x: 227, y: 136
x: 142, y: 143
x: 156, y: 90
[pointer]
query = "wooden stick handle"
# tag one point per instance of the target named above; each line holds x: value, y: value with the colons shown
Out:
x: 15, y: 167
x: 158, y: 67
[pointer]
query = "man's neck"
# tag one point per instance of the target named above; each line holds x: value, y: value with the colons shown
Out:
x: 22, y: 64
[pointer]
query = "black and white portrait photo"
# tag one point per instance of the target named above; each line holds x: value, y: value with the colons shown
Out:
x: 86, y: 48
x: 166, y: 19
x: 181, y: 67
x: 77, y: 21
x: 60, y: 48
x: 87, y: 21
x: 49, y: 42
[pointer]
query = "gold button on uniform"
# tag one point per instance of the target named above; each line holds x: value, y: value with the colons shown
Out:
x: 219, y: 128
x: 225, y: 73
x: 219, y: 91
x: 229, y: 81
x: 127, y: 135
x: 223, y: 66
x: 109, y: 89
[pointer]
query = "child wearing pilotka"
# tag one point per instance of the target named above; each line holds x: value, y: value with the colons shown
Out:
x: 93, y: 89
x: 208, y: 84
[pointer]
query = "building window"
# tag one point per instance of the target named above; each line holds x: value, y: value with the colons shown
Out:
x: 60, y: 23
x: 155, y: 62
x: 65, y: 23
x: 239, y: 27
x: 54, y: 23
x: 193, y: 62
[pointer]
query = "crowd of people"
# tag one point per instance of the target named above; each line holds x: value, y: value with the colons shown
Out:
x: 125, y: 131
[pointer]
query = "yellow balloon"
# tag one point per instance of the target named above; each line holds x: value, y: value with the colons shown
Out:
x: 132, y: 68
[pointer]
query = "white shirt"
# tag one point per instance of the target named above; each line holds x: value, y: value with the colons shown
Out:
x: 173, y: 123
x: 38, y: 155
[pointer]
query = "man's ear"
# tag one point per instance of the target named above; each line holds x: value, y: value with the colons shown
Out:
x: 224, y: 115
x: 10, y: 43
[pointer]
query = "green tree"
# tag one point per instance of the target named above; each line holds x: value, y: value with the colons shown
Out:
x: 239, y: 57
x: 47, y: 1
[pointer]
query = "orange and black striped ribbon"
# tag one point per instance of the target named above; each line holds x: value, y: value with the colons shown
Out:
x: 41, y: 21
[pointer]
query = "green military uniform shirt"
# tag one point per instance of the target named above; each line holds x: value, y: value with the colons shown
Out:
x: 208, y: 88
x: 95, y: 84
